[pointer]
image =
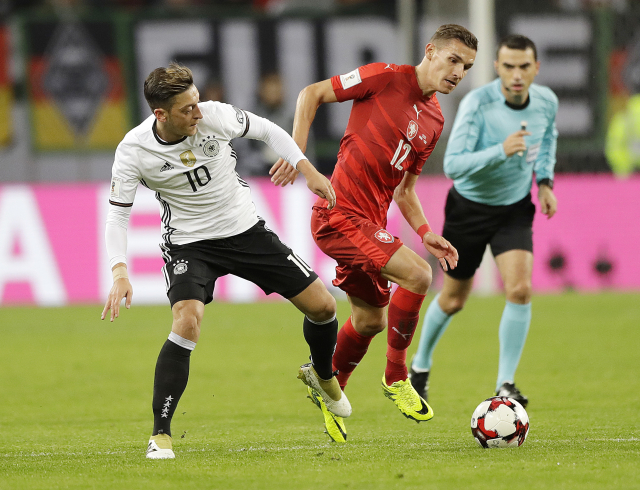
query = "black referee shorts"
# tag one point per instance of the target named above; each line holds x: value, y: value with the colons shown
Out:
x: 470, y: 226
x: 256, y: 255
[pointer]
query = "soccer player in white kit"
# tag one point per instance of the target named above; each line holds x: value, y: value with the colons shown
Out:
x: 183, y: 152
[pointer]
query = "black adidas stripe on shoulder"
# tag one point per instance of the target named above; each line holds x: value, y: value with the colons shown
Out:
x: 246, y: 129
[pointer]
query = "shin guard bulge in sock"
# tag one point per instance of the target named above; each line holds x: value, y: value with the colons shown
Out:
x: 404, y: 312
x: 350, y: 349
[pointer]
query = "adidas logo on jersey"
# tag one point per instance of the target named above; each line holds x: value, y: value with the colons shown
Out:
x: 166, y: 166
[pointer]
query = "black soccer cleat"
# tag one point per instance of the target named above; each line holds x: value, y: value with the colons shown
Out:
x: 420, y: 382
x: 511, y: 390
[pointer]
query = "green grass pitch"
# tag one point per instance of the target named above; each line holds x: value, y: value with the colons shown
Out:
x: 75, y: 403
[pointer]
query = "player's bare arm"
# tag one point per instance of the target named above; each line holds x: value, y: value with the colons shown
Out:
x: 317, y: 183
x: 309, y: 99
x: 121, y: 289
x: 409, y: 204
x: 515, y: 142
x: 548, y: 201
x: 407, y: 200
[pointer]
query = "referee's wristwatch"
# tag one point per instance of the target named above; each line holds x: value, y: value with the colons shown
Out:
x: 547, y: 182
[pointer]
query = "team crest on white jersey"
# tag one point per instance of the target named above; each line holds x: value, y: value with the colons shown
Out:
x: 412, y: 130
x: 211, y: 148
x: 180, y: 267
x: 384, y: 236
x: 188, y: 158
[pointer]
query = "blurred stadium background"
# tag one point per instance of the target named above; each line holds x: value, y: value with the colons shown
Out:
x: 71, y: 73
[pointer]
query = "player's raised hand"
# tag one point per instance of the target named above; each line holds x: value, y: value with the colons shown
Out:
x: 283, y: 173
x: 441, y: 249
x: 121, y: 289
x: 317, y: 183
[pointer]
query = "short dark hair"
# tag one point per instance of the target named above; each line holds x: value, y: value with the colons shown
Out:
x: 518, y: 41
x: 448, y: 32
x: 163, y: 84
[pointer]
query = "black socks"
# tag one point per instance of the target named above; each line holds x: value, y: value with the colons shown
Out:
x: 172, y: 374
x: 321, y: 338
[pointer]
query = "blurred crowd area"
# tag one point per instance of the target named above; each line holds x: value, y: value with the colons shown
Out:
x: 284, y: 6
x: 68, y: 116
x: 237, y: 6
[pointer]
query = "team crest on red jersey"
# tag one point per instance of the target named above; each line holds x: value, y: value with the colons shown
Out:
x: 384, y: 236
x: 412, y: 130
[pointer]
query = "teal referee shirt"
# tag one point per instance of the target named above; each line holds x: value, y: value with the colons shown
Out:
x: 475, y: 158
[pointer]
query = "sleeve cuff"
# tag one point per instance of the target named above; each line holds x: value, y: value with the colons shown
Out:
x: 546, y: 181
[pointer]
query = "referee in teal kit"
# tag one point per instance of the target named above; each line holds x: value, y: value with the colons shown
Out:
x: 503, y: 134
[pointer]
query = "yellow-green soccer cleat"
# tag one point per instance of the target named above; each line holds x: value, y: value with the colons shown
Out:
x: 160, y: 447
x: 329, y: 390
x: 407, y: 400
x: 334, y: 425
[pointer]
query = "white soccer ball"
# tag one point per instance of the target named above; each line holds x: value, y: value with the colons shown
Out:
x: 500, y: 421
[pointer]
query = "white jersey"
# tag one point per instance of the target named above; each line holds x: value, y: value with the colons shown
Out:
x: 200, y: 194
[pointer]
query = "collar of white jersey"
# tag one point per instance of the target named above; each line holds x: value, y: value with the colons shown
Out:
x: 160, y: 140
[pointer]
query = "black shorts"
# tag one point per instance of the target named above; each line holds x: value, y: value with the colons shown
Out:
x: 256, y: 255
x: 470, y: 226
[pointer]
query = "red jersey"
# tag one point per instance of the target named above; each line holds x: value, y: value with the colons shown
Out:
x: 392, y: 129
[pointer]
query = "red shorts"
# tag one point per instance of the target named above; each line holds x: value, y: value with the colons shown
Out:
x: 361, y: 249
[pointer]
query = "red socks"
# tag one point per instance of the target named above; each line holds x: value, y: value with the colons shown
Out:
x: 404, y: 312
x: 350, y: 349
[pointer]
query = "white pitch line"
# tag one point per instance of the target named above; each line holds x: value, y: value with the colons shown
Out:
x: 291, y: 448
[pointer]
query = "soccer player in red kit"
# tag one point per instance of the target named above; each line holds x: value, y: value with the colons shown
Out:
x: 394, y: 125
